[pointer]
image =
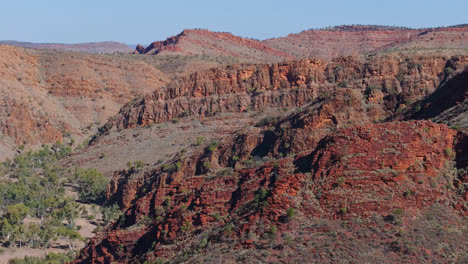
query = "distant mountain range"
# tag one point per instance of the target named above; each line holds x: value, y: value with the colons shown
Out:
x: 324, y: 43
x: 95, y: 47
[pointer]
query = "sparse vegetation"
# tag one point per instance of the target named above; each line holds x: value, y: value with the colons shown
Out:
x: 448, y: 71
x: 200, y: 140
x: 267, y: 121
x: 39, y: 192
x: 212, y: 147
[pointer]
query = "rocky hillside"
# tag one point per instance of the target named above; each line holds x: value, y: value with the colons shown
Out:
x: 354, y: 40
x: 47, y: 95
x: 232, y: 150
x: 96, y: 47
x: 321, y: 43
x: 314, y: 183
x: 205, y: 42
x: 240, y: 88
x: 239, y: 194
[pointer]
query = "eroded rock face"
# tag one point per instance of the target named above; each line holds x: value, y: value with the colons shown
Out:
x: 332, y: 159
x: 448, y: 104
x: 355, y: 172
x: 396, y: 81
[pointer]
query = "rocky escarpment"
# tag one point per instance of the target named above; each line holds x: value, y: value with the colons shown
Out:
x: 383, y: 167
x: 353, y: 40
x: 208, y: 43
x: 331, y: 160
x: 449, y: 103
x: 389, y: 82
x: 321, y: 43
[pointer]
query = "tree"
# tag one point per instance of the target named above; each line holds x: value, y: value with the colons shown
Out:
x: 110, y: 213
x: 20, y: 235
x: 16, y: 213
x: 92, y: 185
x: 33, y: 235
x: 6, y: 228
x: 71, y: 235
x: 48, y: 232
x: 67, y: 210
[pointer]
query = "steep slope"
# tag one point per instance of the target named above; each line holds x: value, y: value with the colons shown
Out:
x: 249, y: 206
x: 326, y: 177
x: 354, y: 40
x: 45, y: 94
x: 205, y: 42
x: 95, y: 47
x: 448, y: 104
x: 337, y: 94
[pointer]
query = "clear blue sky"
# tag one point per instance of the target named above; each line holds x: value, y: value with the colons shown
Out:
x: 145, y: 21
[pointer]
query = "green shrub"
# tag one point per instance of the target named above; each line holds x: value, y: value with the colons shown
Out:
x: 110, y: 213
x: 417, y: 107
x: 207, y: 164
x: 186, y: 226
x: 139, y: 164
x: 290, y: 213
x: 266, y: 121
x: 341, y: 180
x: 50, y: 258
x: 260, y: 198
x: 225, y: 172
x: 273, y: 231
x: 448, y: 71
x: 212, y: 147
x: 449, y: 152
x: 228, y: 228
x: 200, y: 140
x: 178, y: 166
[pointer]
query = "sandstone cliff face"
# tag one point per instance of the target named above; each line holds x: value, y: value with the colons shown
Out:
x: 448, y: 103
x: 331, y: 159
x: 361, y: 171
x: 386, y: 82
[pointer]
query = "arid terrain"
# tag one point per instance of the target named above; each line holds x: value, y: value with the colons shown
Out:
x: 96, y: 47
x: 339, y: 145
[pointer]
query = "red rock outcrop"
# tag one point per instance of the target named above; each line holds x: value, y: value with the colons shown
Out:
x: 353, y: 40
x: 322, y: 43
x: 448, y: 103
x: 373, y: 169
x: 239, y: 88
x: 329, y: 160
x: 139, y: 49
x: 208, y: 43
